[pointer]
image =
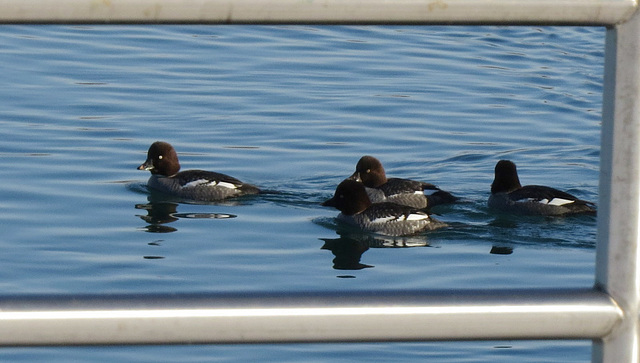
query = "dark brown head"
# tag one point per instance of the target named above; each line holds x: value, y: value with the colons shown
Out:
x: 161, y: 159
x: 350, y: 198
x: 370, y: 172
x: 506, y: 177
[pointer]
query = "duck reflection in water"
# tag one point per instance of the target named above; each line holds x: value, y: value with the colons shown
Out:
x: 347, y: 252
x: 351, y: 244
x: 158, y: 214
x: 162, y: 211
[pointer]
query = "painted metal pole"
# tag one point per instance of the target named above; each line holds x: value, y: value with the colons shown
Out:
x: 306, y: 317
x: 377, y: 316
x: 618, y: 252
x: 581, y: 12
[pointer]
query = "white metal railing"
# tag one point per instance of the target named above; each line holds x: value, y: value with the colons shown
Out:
x: 307, y: 317
x: 585, y: 12
x: 608, y: 313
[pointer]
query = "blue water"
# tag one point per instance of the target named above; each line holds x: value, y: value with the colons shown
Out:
x: 292, y: 109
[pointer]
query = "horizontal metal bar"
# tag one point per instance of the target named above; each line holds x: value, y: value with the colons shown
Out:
x: 579, y: 12
x: 306, y: 317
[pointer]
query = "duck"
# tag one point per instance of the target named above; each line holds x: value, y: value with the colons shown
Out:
x: 412, y: 193
x: 384, y: 218
x: 198, y: 185
x: 508, y: 195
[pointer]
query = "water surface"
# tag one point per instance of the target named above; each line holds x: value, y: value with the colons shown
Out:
x: 292, y: 109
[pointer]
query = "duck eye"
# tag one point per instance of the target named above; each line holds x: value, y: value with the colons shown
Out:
x: 159, y: 157
x: 368, y: 171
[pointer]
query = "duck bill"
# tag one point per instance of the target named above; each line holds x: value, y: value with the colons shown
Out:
x: 329, y: 203
x: 148, y: 165
x: 355, y: 176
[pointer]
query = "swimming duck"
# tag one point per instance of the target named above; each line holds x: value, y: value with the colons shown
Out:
x: 412, y: 193
x: 508, y: 195
x: 199, y: 185
x: 385, y: 218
